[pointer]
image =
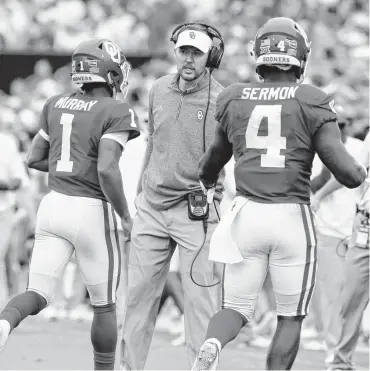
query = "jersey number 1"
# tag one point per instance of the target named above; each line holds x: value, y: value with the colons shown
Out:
x: 273, y: 142
x: 64, y: 164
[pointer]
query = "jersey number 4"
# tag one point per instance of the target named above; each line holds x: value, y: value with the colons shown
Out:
x: 273, y: 142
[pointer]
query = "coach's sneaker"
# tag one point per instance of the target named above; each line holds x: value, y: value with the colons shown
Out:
x: 4, y: 332
x: 208, y: 355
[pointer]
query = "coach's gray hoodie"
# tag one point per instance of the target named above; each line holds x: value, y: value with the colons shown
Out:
x: 176, y: 128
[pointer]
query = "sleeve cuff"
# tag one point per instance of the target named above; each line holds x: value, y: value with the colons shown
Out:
x: 121, y: 138
x: 44, y: 135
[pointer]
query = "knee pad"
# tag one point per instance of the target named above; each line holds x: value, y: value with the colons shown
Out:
x: 99, y: 295
x: 245, y: 308
x: 43, y: 285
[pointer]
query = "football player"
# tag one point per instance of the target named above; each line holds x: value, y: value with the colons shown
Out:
x: 80, y: 143
x: 273, y: 129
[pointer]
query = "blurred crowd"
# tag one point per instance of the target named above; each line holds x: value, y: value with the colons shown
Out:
x: 338, y: 29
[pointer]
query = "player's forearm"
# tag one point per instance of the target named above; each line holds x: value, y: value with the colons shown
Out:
x: 343, y: 166
x: 148, y: 153
x: 112, y: 187
x: 352, y: 176
x: 42, y: 165
x: 211, y: 163
x: 39, y: 154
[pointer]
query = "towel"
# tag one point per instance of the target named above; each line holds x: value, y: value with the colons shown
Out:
x: 223, y: 248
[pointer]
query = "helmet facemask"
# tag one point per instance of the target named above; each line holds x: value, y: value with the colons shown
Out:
x: 125, y: 68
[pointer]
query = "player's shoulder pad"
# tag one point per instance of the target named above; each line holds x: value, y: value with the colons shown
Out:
x: 314, y: 96
x: 233, y: 91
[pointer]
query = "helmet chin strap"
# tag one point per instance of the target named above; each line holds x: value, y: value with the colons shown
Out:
x: 112, y: 86
x: 283, y: 67
x: 114, y: 92
x: 118, y: 95
x: 303, y: 69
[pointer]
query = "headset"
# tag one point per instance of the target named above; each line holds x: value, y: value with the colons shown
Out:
x: 214, y: 57
x: 217, y: 50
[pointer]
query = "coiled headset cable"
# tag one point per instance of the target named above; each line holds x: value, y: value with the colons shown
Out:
x: 205, y: 223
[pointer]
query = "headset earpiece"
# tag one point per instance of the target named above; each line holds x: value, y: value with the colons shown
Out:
x: 175, y: 33
x: 216, y: 52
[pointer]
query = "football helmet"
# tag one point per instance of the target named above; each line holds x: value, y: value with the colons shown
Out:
x: 282, y: 43
x: 101, y: 60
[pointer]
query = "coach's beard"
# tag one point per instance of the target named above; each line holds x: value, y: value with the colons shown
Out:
x: 190, y: 74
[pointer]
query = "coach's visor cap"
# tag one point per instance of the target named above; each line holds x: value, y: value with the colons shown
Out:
x: 194, y: 38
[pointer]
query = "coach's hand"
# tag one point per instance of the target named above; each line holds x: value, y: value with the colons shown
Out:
x: 126, y: 224
x: 208, y: 190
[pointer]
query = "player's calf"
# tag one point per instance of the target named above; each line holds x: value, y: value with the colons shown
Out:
x: 17, y: 309
x: 285, y: 343
x: 104, y: 336
x: 224, y: 327
x: 21, y: 306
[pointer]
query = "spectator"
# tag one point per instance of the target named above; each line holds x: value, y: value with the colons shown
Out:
x: 14, y: 183
x: 354, y: 296
x: 334, y: 219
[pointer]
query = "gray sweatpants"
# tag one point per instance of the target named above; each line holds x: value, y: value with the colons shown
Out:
x: 353, y: 301
x: 153, y: 239
x: 6, y: 228
x: 329, y: 283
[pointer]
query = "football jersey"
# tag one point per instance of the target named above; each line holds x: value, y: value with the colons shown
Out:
x: 271, y: 128
x: 73, y: 125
